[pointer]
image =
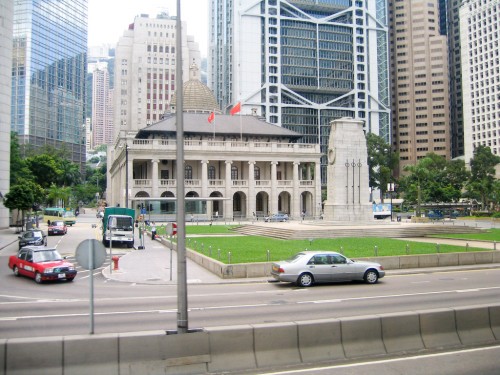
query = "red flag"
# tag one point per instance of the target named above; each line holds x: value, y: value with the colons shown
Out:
x: 211, y: 117
x: 235, y: 109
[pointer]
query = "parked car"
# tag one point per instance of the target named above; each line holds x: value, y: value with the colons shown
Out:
x: 276, y: 217
x: 310, y: 267
x: 41, y: 264
x: 57, y: 227
x: 35, y: 237
x: 435, y: 215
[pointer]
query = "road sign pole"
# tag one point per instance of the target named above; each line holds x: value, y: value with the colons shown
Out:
x: 91, y: 282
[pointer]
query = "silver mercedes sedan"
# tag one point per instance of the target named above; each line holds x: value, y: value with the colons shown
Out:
x: 310, y: 267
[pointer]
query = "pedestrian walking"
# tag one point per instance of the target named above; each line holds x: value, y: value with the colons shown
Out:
x: 153, y: 230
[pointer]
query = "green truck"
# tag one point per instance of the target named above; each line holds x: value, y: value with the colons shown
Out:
x: 118, y: 226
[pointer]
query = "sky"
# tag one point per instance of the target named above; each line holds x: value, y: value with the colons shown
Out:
x: 108, y: 19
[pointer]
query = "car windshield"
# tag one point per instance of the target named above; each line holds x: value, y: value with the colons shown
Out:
x: 57, y: 223
x: 46, y: 256
x: 33, y: 234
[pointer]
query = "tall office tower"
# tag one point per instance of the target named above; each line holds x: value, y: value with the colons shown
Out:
x: 6, y: 18
x: 48, y: 74
x: 145, y: 71
x: 480, y: 38
x: 102, y: 108
x: 419, y: 80
x: 301, y: 64
x: 450, y: 24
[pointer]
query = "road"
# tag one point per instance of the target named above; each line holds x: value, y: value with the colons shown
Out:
x: 28, y: 309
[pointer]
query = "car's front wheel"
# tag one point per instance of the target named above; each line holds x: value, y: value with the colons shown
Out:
x: 371, y: 277
x: 16, y: 271
x: 305, y: 279
x: 38, y: 278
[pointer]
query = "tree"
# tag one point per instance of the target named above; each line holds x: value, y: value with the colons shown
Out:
x: 59, y: 195
x: 70, y: 173
x: 381, y: 162
x: 481, y: 183
x: 44, y: 169
x: 434, y: 179
x: 24, y: 197
x: 18, y: 168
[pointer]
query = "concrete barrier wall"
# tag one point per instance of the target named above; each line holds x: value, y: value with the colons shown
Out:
x: 251, y: 347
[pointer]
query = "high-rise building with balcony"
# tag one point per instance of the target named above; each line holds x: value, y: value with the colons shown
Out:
x: 48, y: 74
x: 145, y: 71
x: 301, y: 64
x: 480, y: 38
x: 419, y: 81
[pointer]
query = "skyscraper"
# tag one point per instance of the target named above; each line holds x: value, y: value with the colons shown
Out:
x: 102, y: 107
x: 48, y: 74
x: 480, y: 38
x: 420, y: 81
x: 302, y: 64
x: 450, y: 24
x: 145, y: 71
x: 6, y: 16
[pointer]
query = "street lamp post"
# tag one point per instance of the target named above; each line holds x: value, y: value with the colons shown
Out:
x: 390, y: 189
x: 126, y: 175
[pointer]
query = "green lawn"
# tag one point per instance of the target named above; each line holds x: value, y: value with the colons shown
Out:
x: 249, y: 249
x: 490, y: 235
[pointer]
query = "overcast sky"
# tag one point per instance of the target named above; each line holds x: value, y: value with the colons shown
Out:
x: 108, y: 19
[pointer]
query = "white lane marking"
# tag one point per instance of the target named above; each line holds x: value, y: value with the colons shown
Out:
x: 404, y: 295
x: 382, y: 361
x: 337, y: 300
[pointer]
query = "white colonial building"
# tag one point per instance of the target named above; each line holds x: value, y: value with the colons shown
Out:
x: 241, y: 164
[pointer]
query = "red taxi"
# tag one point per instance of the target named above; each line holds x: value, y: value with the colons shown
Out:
x: 42, y: 264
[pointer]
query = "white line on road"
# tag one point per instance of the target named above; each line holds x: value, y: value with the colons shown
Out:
x: 370, y: 363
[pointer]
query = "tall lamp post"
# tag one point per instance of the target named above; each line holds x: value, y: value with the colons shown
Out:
x: 390, y: 189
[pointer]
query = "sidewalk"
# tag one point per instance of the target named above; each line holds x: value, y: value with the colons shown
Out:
x: 7, y: 237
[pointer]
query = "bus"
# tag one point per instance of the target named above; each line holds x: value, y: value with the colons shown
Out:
x: 59, y: 213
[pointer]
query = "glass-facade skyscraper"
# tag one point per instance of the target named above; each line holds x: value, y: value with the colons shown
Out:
x: 301, y: 64
x: 48, y: 74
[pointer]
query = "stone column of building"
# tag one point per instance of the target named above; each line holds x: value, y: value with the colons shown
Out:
x: 128, y: 167
x: 251, y: 188
x: 273, y: 206
x: 296, y: 192
x: 204, y: 186
x: 228, y: 203
x: 155, y: 191
x: 317, y: 178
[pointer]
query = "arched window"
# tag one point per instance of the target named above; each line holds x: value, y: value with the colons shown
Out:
x: 256, y: 173
x: 188, y: 172
x: 234, y: 173
x: 211, y: 172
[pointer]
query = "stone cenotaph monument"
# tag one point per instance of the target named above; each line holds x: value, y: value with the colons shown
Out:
x: 348, y: 190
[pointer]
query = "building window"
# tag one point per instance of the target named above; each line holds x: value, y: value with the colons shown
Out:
x: 234, y: 173
x: 256, y: 173
x: 211, y: 172
x: 188, y: 172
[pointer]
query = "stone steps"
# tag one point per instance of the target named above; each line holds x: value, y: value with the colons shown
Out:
x: 396, y: 231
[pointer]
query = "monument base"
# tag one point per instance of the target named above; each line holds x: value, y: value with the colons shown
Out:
x: 344, y: 212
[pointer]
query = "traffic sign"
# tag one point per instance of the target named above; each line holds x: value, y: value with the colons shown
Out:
x: 89, y: 247
x: 171, y: 229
